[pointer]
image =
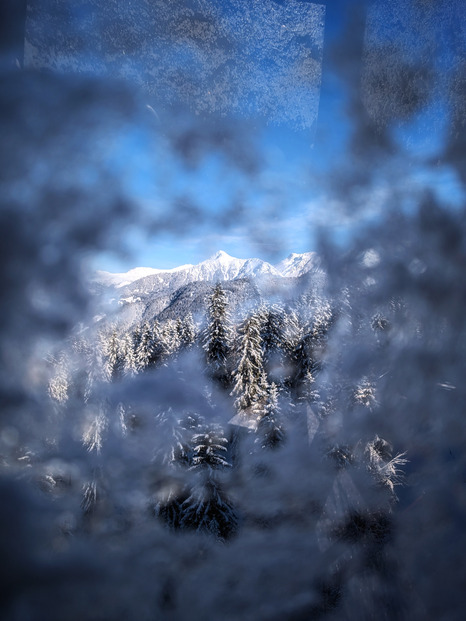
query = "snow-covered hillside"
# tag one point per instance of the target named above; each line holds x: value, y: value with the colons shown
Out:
x: 107, y: 279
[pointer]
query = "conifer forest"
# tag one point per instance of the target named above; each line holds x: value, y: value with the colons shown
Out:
x: 257, y: 382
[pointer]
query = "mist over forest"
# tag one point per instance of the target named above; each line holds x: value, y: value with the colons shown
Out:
x: 246, y: 443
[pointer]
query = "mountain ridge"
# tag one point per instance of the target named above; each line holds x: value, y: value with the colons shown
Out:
x: 219, y: 267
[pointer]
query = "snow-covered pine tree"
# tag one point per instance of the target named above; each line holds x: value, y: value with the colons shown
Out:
x: 129, y: 354
x: 319, y: 394
x: 209, y: 449
x: 250, y: 383
x: 148, y: 352
x: 159, y: 347
x: 365, y: 394
x: 217, y: 338
x: 270, y: 431
x: 273, y: 335
x: 291, y: 333
x: 113, y: 355
x: 90, y: 354
x: 187, y: 332
x: 310, y: 348
x: 304, y: 355
x: 174, y: 450
x: 323, y: 320
x: 171, y: 443
x: 170, y: 337
x: 136, y: 338
x: 207, y: 508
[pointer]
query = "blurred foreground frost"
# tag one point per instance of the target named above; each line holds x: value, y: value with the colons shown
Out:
x: 246, y: 468
x: 313, y: 526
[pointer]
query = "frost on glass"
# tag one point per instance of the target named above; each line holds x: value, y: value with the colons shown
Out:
x: 259, y: 58
x: 295, y: 456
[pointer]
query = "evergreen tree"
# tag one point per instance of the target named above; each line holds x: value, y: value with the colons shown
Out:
x: 305, y: 362
x: 203, y: 507
x: 218, y: 337
x: 274, y: 337
x: 173, y: 451
x: 171, y: 445
x: 250, y: 386
x: 113, y: 356
x: 144, y: 347
x: 170, y: 337
x: 291, y: 334
x: 129, y: 354
x: 321, y: 396
x: 149, y: 348
x: 187, y: 332
x: 209, y: 449
x: 272, y: 328
x: 207, y: 508
x: 136, y: 339
x: 270, y: 432
x: 292, y: 331
x: 365, y: 394
x: 310, y: 348
x: 95, y: 430
x: 92, y: 360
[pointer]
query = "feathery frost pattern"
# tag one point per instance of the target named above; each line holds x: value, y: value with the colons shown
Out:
x: 233, y: 439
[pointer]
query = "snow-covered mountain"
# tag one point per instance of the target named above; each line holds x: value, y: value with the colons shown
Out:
x: 107, y: 279
x: 146, y: 293
x: 221, y: 266
x: 296, y: 265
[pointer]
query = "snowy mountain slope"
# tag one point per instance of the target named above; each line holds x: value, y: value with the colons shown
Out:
x: 298, y: 264
x: 242, y: 294
x: 108, y: 279
x: 151, y: 292
x: 146, y: 299
x: 221, y: 266
x: 193, y: 298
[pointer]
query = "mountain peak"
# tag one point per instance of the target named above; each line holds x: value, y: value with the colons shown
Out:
x: 221, y: 254
x: 297, y: 264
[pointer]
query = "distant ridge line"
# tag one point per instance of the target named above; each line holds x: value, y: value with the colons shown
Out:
x: 220, y: 266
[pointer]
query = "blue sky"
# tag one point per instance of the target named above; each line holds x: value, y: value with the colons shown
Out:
x: 265, y: 87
